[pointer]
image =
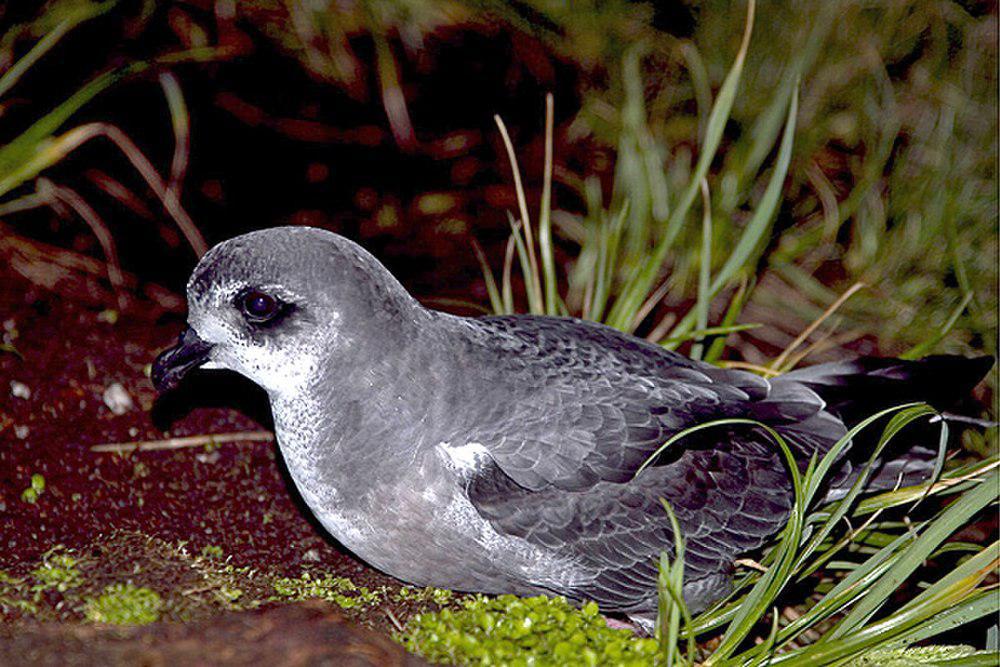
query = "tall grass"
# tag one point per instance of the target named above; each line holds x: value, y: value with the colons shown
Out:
x: 853, y: 611
x: 895, y: 163
x: 619, y: 277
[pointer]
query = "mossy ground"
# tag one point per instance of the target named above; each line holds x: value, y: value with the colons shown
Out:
x: 508, y: 630
x: 131, y: 578
x: 159, y: 580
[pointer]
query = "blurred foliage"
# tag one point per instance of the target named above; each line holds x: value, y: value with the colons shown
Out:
x: 891, y: 181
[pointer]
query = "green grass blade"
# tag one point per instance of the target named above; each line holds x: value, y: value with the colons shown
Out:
x: 77, y: 14
x: 900, y: 628
x: 545, y: 217
x: 709, y: 331
x: 983, y: 561
x: 704, y: 271
x: 496, y: 301
x: 976, y: 606
x: 903, y: 417
x: 764, y: 592
x: 636, y: 290
x: 928, y: 345
x: 718, y: 346
x: 953, y: 517
x: 760, y: 223
x: 971, y: 476
x: 670, y: 602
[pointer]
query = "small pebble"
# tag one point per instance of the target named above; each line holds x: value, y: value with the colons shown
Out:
x: 117, y: 399
x: 10, y: 333
x: 311, y: 556
x: 19, y: 390
x: 21, y: 431
x: 132, y: 431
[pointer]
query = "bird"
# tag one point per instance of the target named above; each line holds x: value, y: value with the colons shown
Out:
x: 521, y: 453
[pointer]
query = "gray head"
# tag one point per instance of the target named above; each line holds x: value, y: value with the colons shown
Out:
x: 278, y: 304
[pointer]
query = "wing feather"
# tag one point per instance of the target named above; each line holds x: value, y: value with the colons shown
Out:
x: 567, y: 439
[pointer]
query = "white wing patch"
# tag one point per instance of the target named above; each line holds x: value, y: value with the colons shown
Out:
x: 465, y: 459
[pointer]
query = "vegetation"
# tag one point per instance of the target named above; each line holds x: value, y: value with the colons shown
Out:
x: 885, y: 552
x: 508, y: 630
x: 58, y: 571
x: 616, y: 279
x: 125, y: 604
x: 37, y: 488
x: 341, y: 591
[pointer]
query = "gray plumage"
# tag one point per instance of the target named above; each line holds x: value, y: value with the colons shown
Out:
x: 497, y: 454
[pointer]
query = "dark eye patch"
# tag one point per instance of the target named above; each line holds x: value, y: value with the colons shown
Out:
x: 259, y: 307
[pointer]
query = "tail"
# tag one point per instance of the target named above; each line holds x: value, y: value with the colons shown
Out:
x: 855, y: 390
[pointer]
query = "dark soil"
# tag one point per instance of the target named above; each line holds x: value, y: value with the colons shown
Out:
x: 172, y: 521
x: 306, y: 633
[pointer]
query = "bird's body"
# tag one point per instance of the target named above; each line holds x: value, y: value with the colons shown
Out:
x: 503, y: 454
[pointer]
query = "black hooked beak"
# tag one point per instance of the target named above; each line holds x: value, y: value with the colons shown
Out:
x: 173, y: 364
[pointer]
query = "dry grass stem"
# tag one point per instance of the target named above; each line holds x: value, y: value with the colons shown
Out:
x: 777, y: 366
x: 59, y: 194
x: 84, y: 133
x: 185, y: 441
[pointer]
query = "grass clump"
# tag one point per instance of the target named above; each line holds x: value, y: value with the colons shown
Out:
x: 508, y: 630
x: 851, y: 616
x: 341, y: 591
x: 125, y: 604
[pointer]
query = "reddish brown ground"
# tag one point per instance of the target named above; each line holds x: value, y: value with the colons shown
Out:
x: 306, y: 633
x: 106, y: 506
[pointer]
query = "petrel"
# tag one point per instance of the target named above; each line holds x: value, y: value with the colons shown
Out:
x: 502, y: 454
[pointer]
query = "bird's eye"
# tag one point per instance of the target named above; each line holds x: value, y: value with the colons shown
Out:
x: 259, y: 307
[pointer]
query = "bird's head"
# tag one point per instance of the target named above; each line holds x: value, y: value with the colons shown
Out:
x: 279, y: 305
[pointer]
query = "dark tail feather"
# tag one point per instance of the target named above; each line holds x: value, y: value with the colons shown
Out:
x: 855, y: 390
x: 909, y: 468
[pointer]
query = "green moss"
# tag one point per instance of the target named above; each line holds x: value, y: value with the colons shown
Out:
x: 439, y: 596
x: 37, y: 488
x: 58, y: 571
x: 212, y: 551
x: 229, y: 594
x: 538, y: 631
x: 124, y: 604
x: 13, y: 595
x: 339, y: 590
